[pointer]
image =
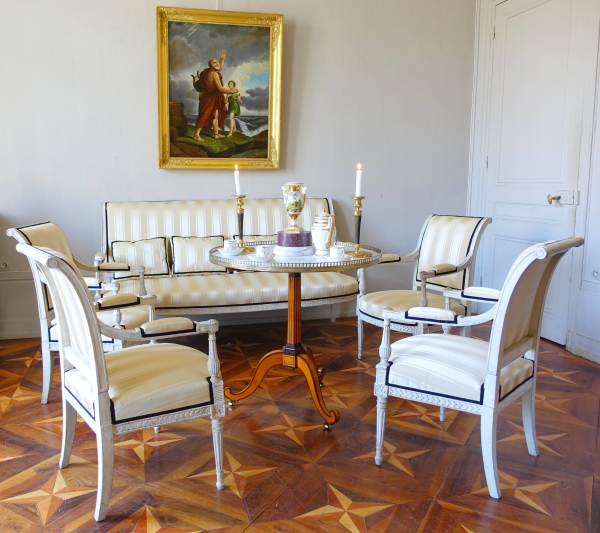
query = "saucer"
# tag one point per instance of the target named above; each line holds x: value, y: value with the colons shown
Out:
x: 230, y: 253
x: 265, y: 259
x: 334, y: 259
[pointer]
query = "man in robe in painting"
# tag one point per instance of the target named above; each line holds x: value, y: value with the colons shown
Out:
x: 211, y: 103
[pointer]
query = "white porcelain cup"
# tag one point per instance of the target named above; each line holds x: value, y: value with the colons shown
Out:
x: 336, y: 251
x: 230, y: 244
x: 262, y: 250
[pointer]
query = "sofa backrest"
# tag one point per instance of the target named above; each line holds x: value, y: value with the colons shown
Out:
x: 133, y: 221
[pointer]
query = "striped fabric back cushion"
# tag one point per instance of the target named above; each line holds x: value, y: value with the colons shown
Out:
x: 190, y: 254
x: 133, y: 221
x: 149, y: 253
x: 447, y: 239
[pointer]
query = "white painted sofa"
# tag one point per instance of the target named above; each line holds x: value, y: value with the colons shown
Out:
x: 209, y: 293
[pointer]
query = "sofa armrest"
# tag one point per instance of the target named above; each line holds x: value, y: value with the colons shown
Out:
x: 153, y: 329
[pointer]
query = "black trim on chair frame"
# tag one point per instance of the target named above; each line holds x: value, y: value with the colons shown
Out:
x: 149, y: 415
x: 118, y: 306
x: 478, y: 298
x: 423, y: 319
x: 166, y: 333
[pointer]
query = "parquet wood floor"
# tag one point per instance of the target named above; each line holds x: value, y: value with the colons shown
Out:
x: 286, y: 473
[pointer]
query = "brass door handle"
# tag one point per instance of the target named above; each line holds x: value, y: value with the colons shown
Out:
x: 552, y: 198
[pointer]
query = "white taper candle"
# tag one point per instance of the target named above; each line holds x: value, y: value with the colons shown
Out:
x: 358, y: 180
x: 236, y: 175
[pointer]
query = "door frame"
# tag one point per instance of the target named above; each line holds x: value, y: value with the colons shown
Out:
x: 480, y: 122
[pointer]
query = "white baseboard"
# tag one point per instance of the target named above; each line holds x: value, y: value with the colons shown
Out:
x: 19, y: 328
x: 583, y: 346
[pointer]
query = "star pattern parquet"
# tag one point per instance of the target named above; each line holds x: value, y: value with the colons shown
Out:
x: 285, y: 473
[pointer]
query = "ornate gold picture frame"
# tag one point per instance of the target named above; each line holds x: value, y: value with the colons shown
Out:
x: 219, y: 88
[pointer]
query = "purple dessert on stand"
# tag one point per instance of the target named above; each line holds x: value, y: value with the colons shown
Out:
x: 300, y: 239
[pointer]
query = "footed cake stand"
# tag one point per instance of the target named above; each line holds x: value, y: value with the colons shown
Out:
x: 294, y: 354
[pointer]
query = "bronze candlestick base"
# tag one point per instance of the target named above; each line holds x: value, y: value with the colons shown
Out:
x: 357, y: 221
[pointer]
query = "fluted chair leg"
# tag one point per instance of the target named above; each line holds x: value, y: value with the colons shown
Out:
x: 217, y: 431
x: 381, y: 412
x: 442, y: 414
x: 360, y: 337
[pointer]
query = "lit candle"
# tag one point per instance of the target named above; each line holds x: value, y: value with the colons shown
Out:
x: 236, y: 175
x: 358, y: 180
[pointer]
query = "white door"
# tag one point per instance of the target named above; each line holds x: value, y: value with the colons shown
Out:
x: 539, y: 71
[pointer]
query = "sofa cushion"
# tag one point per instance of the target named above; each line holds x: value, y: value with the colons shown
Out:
x: 241, y: 289
x: 149, y: 253
x: 190, y: 254
x: 251, y: 239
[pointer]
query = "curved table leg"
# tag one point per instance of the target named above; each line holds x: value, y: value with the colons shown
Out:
x: 305, y: 363
x: 274, y: 358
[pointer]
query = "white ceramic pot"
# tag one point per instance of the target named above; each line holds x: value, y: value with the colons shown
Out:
x: 323, y: 233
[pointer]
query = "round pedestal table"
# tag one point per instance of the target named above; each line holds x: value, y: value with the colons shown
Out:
x: 294, y: 354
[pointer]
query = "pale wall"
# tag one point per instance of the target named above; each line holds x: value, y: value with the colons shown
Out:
x: 383, y: 82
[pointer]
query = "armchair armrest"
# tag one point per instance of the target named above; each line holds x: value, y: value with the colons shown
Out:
x: 117, y: 301
x: 164, y: 328
x: 390, y: 258
x: 430, y: 315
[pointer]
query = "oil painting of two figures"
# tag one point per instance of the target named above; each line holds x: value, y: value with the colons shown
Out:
x: 218, y: 90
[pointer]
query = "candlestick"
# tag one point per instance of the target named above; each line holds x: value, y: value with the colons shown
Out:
x: 236, y: 176
x: 357, y: 222
x: 358, y: 190
x: 239, y: 202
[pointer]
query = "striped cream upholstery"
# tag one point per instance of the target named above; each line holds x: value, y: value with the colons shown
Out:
x: 249, y: 239
x: 149, y: 253
x: 447, y: 239
x: 374, y: 303
x: 190, y: 254
x: 244, y: 288
x: 146, y: 381
x: 450, y: 365
x: 133, y: 221
x: 49, y: 235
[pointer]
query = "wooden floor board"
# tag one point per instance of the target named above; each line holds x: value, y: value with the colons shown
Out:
x: 284, y: 472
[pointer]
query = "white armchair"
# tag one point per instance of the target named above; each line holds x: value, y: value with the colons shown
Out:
x: 444, y: 259
x: 470, y: 374
x: 127, y: 311
x: 130, y: 389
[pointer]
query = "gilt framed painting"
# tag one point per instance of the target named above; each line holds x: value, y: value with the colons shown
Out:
x: 219, y: 88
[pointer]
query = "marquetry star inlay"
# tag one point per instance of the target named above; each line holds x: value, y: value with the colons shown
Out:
x: 544, y: 442
x: 560, y: 405
x: 49, y: 497
x: 400, y: 460
x: 363, y: 367
x: 425, y: 413
x: 147, y: 523
x: 27, y: 361
x: 524, y: 491
x: 237, y: 346
x: 291, y: 427
x: 145, y: 441
x: 10, y: 395
x: 331, y: 339
x: 342, y: 509
x: 236, y: 469
x: 344, y: 394
x: 562, y: 376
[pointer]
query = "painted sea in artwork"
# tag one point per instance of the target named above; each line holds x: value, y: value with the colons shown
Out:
x: 218, y: 90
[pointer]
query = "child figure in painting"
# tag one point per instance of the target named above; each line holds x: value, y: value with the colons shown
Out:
x: 234, y: 100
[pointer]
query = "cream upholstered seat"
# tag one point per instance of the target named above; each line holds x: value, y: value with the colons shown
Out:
x: 130, y: 389
x: 444, y: 259
x: 252, y: 288
x: 122, y: 312
x: 473, y: 375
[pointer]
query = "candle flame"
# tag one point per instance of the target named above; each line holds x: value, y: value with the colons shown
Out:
x: 359, y: 166
x: 236, y: 167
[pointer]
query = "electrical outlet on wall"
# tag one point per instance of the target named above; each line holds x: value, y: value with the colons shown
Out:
x: 4, y: 266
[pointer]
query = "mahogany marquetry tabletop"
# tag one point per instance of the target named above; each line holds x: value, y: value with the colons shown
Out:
x: 294, y: 354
